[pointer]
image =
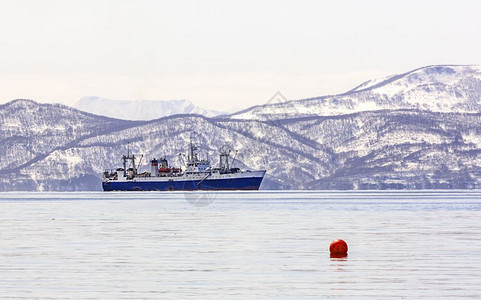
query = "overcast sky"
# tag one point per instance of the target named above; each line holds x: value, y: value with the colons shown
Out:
x: 223, y: 54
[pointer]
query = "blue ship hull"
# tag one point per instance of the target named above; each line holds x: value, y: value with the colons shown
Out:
x: 250, y: 183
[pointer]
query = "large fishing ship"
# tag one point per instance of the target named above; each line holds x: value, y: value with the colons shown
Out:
x: 197, y: 174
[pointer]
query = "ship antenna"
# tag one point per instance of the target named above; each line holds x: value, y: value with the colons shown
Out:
x: 233, y: 160
x: 191, y: 149
x: 140, y: 162
x: 227, y: 159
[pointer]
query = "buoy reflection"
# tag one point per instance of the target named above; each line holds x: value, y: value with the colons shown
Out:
x: 341, y: 257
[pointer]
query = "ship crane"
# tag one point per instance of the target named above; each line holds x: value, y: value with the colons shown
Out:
x: 131, y: 165
x: 224, y: 163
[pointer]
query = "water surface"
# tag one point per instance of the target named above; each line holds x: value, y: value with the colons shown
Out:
x: 402, y: 245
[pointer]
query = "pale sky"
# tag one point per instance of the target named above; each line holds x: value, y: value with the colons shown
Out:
x: 223, y: 54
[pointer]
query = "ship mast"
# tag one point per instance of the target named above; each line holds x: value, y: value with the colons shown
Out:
x: 192, y: 148
x: 224, y: 159
x: 224, y: 163
x: 131, y: 158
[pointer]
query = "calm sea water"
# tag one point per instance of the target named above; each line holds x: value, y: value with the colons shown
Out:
x: 229, y: 245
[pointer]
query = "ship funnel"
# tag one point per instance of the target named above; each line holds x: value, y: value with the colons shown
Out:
x: 154, y: 165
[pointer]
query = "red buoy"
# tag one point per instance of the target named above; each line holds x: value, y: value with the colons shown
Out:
x: 338, y: 248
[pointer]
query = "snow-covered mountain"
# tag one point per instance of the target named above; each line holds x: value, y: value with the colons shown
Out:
x: 30, y: 132
x: 396, y: 143
x: 382, y: 149
x: 445, y: 88
x: 141, y: 109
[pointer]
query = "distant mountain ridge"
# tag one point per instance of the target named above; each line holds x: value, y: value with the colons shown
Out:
x: 140, y: 109
x: 446, y: 88
x: 417, y: 130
